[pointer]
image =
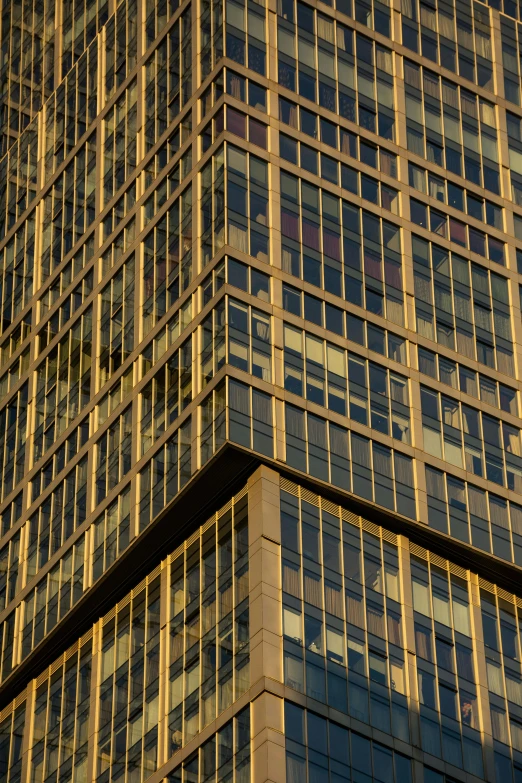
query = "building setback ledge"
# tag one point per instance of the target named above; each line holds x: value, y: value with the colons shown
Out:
x: 206, y: 492
x: 209, y: 489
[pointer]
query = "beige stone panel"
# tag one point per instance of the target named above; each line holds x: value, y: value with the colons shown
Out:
x: 266, y: 633
x: 268, y: 742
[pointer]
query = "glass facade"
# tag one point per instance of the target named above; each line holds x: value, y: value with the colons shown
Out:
x: 360, y: 606
x: 260, y: 250
x: 150, y: 687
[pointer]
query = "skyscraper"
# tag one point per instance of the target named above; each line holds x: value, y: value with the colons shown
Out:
x: 260, y: 423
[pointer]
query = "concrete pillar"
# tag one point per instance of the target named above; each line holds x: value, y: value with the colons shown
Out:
x: 268, y: 740
x: 266, y: 633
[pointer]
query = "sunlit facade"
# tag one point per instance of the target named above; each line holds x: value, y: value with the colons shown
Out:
x: 260, y: 431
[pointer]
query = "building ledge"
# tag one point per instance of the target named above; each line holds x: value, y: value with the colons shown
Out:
x: 209, y: 489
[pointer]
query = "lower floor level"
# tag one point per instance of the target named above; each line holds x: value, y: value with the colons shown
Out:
x: 285, y: 638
